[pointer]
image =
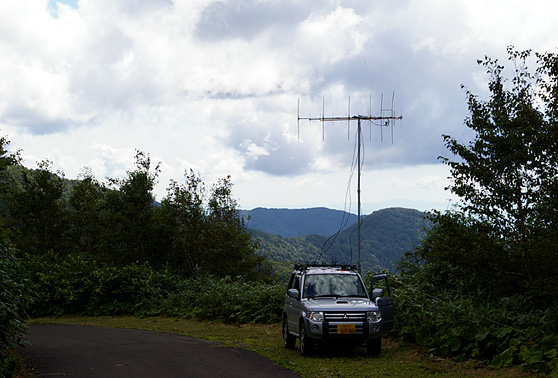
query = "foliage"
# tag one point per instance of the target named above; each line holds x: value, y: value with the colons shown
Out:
x: 14, y: 299
x: 507, y: 177
x: 120, y: 222
x: 483, y: 282
x: 128, y: 211
x: 14, y: 292
x: 7, y: 161
x: 184, y: 216
x: 86, y: 201
x: 455, y: 320
x: 7, y: 158
x: 208, y: 234
x: 36, y: 212
x: 82, y: 285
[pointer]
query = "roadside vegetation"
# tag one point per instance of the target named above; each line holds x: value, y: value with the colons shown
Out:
x: 486, y: 274
x: 481, y: 287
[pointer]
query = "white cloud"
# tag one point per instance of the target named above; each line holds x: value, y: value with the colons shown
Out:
x: 330, y: 38
x: 213, y: 85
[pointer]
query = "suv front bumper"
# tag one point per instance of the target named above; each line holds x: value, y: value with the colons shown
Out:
x: 325, y: 330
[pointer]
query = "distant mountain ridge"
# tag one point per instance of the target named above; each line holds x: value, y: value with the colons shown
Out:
x: 292, y: 223
x: 385, y: 237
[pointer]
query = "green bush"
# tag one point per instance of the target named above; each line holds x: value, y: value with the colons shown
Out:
x: 502, y: 331
x: 227, y: 300
x: 81, y: 285
x: 14, y: 299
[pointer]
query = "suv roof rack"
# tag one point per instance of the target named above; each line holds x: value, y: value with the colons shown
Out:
x: 303, y: 267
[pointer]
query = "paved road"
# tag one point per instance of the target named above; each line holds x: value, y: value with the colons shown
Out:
x: 85, y: 351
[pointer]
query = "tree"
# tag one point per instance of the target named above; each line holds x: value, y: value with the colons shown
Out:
x: 507, y: 176
x: 208, y: 235
x: 86, y: 202
x: 183, y: 209
x: 129, y: 233
x: 15, y: 294
x: 37, y: 212
x: 8, y: 160
x: 233, y: 250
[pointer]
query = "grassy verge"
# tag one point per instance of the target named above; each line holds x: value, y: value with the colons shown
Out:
x: 397, y: 359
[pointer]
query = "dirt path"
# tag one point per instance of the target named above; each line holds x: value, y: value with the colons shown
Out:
x: 85, y: 351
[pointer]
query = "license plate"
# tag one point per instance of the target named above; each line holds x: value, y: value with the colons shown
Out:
x: 346, y: 329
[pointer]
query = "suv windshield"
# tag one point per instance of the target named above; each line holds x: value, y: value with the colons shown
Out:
x: 333, y: 285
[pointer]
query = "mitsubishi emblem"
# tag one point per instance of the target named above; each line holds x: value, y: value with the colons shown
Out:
x: 345, y: 317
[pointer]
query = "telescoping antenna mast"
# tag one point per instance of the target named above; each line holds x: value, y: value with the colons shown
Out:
x: 385, y: 118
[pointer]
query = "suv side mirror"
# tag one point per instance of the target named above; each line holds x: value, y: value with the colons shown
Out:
x: 376, y: 293
x: 382, y: 279
x: 293, y: 293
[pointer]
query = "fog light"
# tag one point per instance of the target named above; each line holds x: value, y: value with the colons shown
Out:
x: 315, y: 328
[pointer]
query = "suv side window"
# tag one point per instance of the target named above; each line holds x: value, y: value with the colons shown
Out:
x: 294, y: 283
x: 291, y: 281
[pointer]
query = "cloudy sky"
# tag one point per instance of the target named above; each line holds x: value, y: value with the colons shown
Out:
x: 213, y: 86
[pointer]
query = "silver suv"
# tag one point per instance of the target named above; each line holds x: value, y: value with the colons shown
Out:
x: 327, y: 303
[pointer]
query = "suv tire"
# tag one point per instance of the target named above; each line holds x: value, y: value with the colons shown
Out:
x: 306, y: 343
x: 288, y: 339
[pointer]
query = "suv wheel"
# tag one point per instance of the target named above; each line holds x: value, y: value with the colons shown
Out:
x: 374, y: 346
x: 288, y: 339
x: 306, y: 344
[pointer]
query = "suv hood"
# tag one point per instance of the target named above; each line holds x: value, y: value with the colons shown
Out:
x: 341, y: 304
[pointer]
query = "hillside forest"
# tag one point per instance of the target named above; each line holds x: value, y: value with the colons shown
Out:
x: 482, y: 282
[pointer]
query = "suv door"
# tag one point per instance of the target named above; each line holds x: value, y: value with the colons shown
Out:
x: 385, y: 303
x: 292, y: 306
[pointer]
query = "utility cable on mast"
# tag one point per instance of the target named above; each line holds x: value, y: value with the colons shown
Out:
x: 384, y: 119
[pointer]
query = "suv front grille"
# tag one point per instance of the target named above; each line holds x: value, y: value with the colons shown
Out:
x: 345, y: 316
x: 333, y: 319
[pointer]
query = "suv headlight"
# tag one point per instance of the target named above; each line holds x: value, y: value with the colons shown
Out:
x: 373, y: 316
x: 316, y: 316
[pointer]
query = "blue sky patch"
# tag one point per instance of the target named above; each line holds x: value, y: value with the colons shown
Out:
x: 53, y: 5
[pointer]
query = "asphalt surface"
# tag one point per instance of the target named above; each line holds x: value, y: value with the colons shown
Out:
x: 85, y: 351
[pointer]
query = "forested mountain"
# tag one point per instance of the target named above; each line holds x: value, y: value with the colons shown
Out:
x: 292, y: 223
x: 385, y: 236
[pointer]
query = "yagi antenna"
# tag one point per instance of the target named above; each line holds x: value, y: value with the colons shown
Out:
x: 385, y: 118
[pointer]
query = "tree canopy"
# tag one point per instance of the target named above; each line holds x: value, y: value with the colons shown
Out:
x: 504, y: 228
x: 193, y: 230
x: 486, y: 273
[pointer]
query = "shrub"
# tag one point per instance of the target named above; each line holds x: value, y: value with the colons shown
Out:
x: 82, y: 285
x: 14, y: 298
x: 452, y: 323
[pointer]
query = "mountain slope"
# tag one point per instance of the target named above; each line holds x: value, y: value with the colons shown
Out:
x: 385, y: 236
x: 298, y: 222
